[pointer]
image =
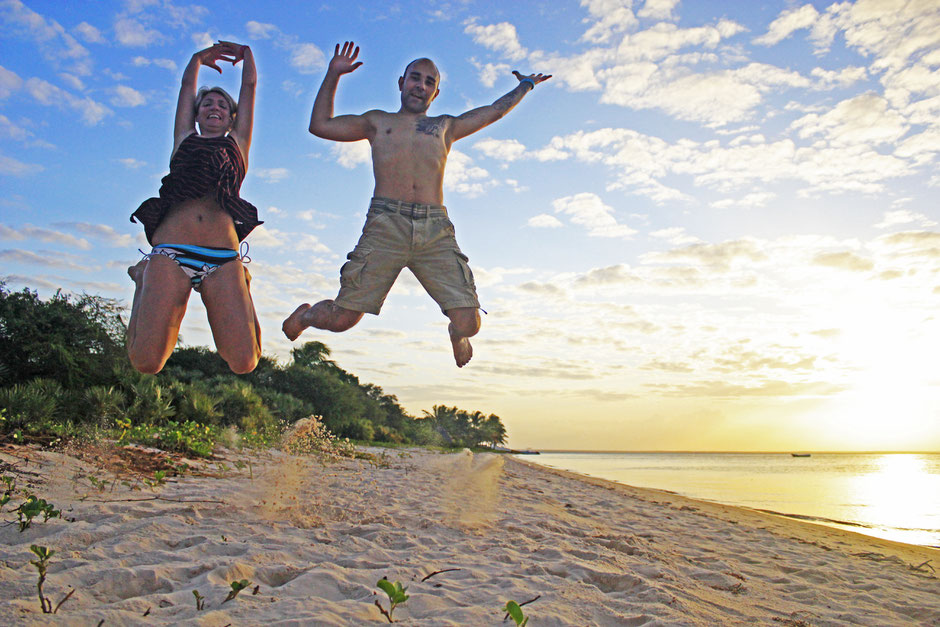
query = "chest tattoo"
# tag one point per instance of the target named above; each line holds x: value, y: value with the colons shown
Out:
x: 430, y: 126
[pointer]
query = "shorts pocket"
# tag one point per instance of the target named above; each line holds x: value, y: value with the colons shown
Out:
x: 350, y: 275
x: 464, y: 262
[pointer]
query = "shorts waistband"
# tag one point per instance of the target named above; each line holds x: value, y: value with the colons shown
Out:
x: 408, y: 209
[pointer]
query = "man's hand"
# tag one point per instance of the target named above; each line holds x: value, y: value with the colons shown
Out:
x: 535, y: 78
x: 344, y: 61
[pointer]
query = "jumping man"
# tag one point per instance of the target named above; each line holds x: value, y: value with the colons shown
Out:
x: 407, y: 223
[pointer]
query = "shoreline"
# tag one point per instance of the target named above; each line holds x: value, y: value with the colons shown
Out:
x: 316, y: 538
x: 818, y: 511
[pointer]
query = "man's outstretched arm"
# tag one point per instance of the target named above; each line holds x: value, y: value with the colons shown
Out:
x: 475, y: 119
x: 343, y: 128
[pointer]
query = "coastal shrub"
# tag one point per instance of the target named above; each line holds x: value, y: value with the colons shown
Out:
x: 104, y: 405
x: 197, y: 406
x: 361, y: 430
x: 30, y: 407
x: 286, y: 408
x: 189, y: 438
x: 149, y: 402
x: 240, y: 405
x: 309, y: 436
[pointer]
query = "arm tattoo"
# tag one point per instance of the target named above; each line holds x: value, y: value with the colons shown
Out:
x: 510, y: 100
x: 431, y: 126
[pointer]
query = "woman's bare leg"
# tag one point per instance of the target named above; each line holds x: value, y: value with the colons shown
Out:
x: 159, y: 305
x: 232, y: 316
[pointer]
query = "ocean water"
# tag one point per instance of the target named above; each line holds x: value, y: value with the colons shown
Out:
x: 894, y: 496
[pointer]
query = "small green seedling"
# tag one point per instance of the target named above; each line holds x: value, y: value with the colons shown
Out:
x: 9, y: 490
x: 237, y: 586
x: 241, y: 465
x: 159, y: 479
x: 200, y: 601
x: 43, y: 554
x: 32, y: 507
x: 515, y: 612
x: 396, y: 596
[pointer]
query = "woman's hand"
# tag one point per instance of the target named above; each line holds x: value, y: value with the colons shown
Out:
x: 233, y: 50
x: 214, y: 53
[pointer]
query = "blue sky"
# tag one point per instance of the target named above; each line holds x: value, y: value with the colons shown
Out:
x: 714, y: 229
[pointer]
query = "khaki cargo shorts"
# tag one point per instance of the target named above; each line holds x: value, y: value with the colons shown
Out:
x: 406, y: 235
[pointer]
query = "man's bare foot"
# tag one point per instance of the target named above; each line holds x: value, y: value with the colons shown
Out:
x: 296, y: 323
x: 463, y: 352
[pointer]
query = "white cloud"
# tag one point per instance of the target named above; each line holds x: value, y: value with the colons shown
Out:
x: 13, y: 167
x: 307, y: 58
x: 132, y: 33
x: 352, y: 154
x: 720, y: 257
x: 28, y: 231
x: 132, y: 164
x: 904, y: 217
x: 491, y: 72
x: 258, y: 30
x: 463, y: 177
x: 167, y: 64
x: 787, y: 23
x: 271, y: 175
x: 89, y: 33
x: 612, y: 17
x: 865, y: 119
x: 842, y: 78
x: 125, y: 96
x: 544, y: 221
x: 9, y: 82
x: 102, y: 232
x: 56, y: 45
x: 589, y: 211
x: 46, y: 93
x: 501, y: 149
x: 500, y: 38
x: 658, y: 9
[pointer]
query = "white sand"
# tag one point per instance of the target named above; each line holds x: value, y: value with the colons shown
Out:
x: 315, y: 539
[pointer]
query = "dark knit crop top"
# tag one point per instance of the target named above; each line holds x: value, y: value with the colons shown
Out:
x: 202, y: 166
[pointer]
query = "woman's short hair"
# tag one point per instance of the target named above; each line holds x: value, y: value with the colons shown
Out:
x: 205, y: 91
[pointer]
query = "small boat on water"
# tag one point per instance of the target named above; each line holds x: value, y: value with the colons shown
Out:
x: 801, y: 454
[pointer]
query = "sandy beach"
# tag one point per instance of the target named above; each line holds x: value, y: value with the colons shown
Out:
x: 463, y: 532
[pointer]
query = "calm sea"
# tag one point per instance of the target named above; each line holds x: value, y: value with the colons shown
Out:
x: 894, y: 496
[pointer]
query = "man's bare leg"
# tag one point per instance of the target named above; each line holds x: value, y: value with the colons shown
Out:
x: 325, y: 315
x: 464, y: 324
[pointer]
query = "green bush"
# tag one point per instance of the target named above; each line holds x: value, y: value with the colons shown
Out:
x: 149, y: 402
x: 30, y: 407
x: 103, y: 405
x: 189, y: 438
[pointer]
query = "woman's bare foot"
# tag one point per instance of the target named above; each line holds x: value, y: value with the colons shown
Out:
x: 296, y: 322
x: 463, y: 351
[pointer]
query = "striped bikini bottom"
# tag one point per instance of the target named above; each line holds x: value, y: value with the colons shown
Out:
x: 198, y: 262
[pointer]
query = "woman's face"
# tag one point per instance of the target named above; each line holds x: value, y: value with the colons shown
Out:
x: 213, y: 115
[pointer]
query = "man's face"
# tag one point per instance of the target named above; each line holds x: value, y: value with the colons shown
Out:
x: 419, y: 86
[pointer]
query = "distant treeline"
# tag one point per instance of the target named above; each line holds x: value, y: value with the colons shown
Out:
x: 64, y: 369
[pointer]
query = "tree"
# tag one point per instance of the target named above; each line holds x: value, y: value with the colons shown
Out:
x: 74, y: 341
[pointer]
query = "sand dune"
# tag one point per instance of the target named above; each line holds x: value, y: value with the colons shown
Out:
x: 313, y: 540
